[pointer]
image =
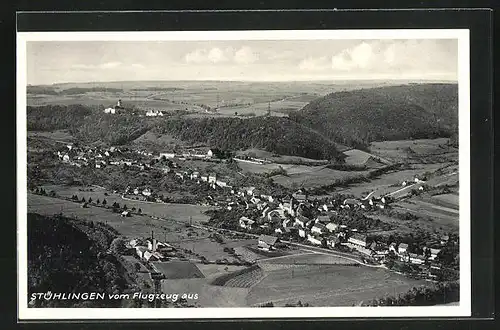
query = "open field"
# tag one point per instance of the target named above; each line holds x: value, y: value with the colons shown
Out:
x: 327, y: 285
x: 449, y: 200
x: 135, y: 226
x: 397, y: 151
x: 359, y: 157
x: 208, y: 295
x: 391, y: 181
x: 173, y: 232
x: 316, y: 178
x: 213, y: 270
x: 213, y: 250
x: 179, y: 212
x: 306, y: 259
x: 178, y: 269
x: 280, y: 159
x: 442, y: 217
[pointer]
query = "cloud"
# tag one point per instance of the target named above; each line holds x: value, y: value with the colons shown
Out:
x: 137, y: 66
x: 213, y: 55
x: 361, y: 56
x: 79, y: 66
x: 244, y: 55
x: 396, y: 56
x: 110, y: 65
x: 314, y: 63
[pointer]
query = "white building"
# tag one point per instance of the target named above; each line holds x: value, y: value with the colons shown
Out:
x: 167, y: 155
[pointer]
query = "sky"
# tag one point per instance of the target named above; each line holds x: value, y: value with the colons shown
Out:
x: 50, y: 62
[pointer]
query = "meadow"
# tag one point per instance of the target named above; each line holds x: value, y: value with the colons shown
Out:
x: 327, y: 285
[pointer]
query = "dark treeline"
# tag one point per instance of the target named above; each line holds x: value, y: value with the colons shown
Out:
x: 53, y: 117
x: 44, y: 90
x: 82, y: 90
x: 114, y: 130
x: 274, y: 134
x: 48, y: 90
x: 157, y: 89
x: 67, y: 255
x: 442, y: 293
x: 359, y: 117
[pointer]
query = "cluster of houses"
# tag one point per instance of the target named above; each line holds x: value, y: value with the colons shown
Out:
x: 284, y: 218
x: 151, y: 249
x: 83, y: 157
x: 154, y: 113
x: 193, y: 154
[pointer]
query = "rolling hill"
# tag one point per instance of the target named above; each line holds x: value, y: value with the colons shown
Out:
x: 274, y: 134
x: 356, y: 118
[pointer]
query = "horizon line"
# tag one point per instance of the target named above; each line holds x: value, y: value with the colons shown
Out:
x: 254, y: 81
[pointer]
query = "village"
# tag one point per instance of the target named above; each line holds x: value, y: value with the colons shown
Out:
x: 295, y: 218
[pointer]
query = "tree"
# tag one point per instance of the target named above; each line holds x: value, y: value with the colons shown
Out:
x: 83, y: 200
x: 104, y: 202
x: 90, y: 199
x: 124, y: 206
x: 139, y: 211
x: 118, y: 246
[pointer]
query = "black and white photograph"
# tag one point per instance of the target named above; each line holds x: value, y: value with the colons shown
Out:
x: 213, y: 174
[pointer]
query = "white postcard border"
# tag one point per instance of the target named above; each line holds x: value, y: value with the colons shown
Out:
x: 464, y: 307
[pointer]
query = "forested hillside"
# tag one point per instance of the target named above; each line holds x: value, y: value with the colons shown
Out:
x: 274, y: 134
x: 53, y: 117
x: 66, y: 255
x: 357, y: 117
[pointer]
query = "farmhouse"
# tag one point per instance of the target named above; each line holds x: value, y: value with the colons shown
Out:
x: 300, y: 196
x: 300, y: 220
x: 267, y: 242
x: 432, y: 252
x: 324, y: 219
x: 167, y: 155
x: 333, y: 241
x: 352, y: 202
x: 392, y: 247
x: 125, y: 214
x: 402, y: 248
x: 275, y: 215
x: 331, y: 226
x: 358, y: 239
x: 416, y: 259
x: 316, y: 240
x: 319, y: 228
x: 246, y: 223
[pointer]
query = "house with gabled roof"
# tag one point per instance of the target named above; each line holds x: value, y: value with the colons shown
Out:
x: 266, y: 242
x: 332, y: 226
x: 402, y: 248
x: 358, y: 239
x: 319, y: 229
x: 246, y: 223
